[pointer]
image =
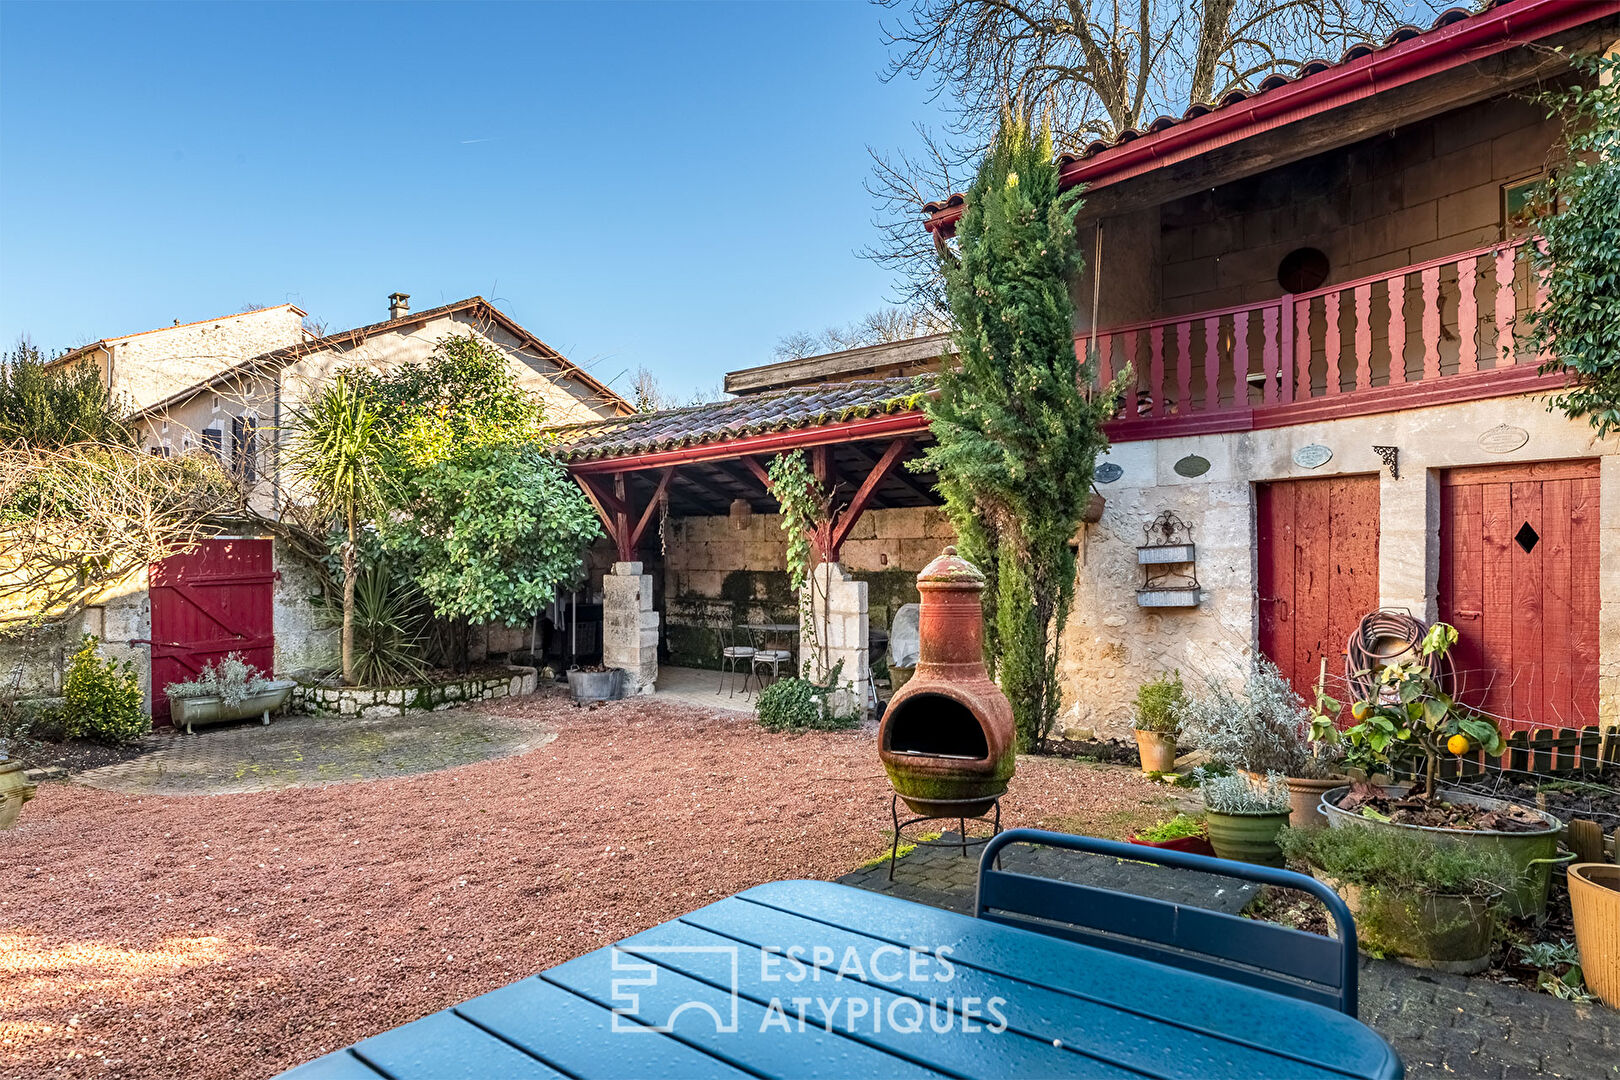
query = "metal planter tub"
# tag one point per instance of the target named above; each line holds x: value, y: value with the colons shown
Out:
x: 596, y: 685
x: 1443, y: 933
x: 214, y: 710
x: 1532, y: 853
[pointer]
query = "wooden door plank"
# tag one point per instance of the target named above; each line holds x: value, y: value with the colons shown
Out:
x: 1312, y: 575
x: 1584, y: 600
x: 1462, y: 595
x: 1354, y: 569
x: 1557, y: 703
x: 1525, y: 503
x: 1496, y: 619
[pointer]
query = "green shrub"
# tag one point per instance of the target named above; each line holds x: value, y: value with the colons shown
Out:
x: 1390, y: 859
x: 1177, y: 828
x: 102, y: 698
x: 801, y: 705
x: 1157, y: 703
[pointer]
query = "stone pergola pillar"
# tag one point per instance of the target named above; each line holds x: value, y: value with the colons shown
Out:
x: 838, y: 614
x: 630, y: 626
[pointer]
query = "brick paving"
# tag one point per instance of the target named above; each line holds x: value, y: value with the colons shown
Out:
x: 1441, y: 1025
x: 306, y: 751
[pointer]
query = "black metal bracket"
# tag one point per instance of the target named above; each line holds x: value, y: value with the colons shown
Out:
x: 964, y: 842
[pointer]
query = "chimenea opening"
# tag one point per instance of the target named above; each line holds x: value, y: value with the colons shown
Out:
x: 933, y: 725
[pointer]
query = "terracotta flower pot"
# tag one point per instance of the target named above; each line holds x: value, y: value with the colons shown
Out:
x: 1158, y: 750
x: 1594, y: 894
x: 1304, y: 797
x: 1246, y: 837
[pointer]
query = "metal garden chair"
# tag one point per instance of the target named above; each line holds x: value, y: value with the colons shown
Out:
x: 767, y: 656
x: 732, y: 654
x: 1277, y: 958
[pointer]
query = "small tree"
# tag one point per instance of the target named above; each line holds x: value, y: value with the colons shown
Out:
x: 1579, y: 253
x: 50, y: 408
x: 336, y: 454
x: 1017, y: 431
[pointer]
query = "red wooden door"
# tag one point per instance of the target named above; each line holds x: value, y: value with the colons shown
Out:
x: 1318, y: 571
x: 1519, y: 581
x: 210, y: 602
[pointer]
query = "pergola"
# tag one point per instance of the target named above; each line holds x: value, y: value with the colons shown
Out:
x: 860, y: 436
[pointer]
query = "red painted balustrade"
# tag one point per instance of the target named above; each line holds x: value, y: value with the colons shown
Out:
x: 1451, y: 329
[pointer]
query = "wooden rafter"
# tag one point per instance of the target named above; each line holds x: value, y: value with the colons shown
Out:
x: 863, y: 495
x: 652, y: 505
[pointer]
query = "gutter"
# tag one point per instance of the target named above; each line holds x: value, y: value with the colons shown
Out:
x: 1462, y: 42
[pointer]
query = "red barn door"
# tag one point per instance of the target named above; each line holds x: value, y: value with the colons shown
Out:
x: 1519, y: 581
x: 1318, y: 571
x: 210, y: 602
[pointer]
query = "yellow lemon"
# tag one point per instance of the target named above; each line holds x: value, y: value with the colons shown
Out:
x: 1458, y: 744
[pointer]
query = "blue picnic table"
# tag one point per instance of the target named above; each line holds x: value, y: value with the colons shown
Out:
x: 814, y: 979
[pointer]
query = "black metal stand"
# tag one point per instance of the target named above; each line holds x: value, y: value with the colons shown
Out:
x: 961, y: 820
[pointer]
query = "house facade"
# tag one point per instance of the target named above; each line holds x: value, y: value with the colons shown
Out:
x: 1321, y: 294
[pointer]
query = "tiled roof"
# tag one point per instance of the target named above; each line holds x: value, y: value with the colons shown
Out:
x: 780, y: 410
x: 1306, y: 70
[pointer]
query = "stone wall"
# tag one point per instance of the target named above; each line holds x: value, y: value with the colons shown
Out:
x: 715, y: 572
x: 371, y: 702
x: 1111, y: 645
x: 838, y: 613
x: 630, y: 626
x: 1426, y: 190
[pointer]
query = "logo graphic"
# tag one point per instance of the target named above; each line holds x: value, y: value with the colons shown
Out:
x: 639, y: 972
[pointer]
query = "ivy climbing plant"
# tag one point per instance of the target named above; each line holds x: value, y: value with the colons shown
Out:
x: 1579, y: 254
x: 806, y: 507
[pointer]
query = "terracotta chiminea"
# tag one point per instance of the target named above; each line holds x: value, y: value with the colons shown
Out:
x: 947, y: 737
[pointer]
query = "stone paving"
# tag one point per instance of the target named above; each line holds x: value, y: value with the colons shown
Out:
x: 1441, y: 1025
x: 305, y: 751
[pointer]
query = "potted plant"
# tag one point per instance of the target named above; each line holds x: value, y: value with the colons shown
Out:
x: 1244, y: 815
x: 1157, y: 705
x: 595, y: 683
x: 1261, y: 728
x: 227, y: 689
x: 1427, y: 906
x: 14, y: 791
x: 1406, y: 723
x: 1594, y: 894
x: 1181, y: 833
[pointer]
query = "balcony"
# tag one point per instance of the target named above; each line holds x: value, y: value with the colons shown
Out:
x: 1451, y: 329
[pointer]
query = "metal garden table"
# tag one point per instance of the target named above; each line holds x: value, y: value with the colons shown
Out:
x: 751, y: 986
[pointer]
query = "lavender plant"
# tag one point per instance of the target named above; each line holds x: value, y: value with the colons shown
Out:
x: 1234, y: 793
x: 1262, y: 727
x: 231, y: 679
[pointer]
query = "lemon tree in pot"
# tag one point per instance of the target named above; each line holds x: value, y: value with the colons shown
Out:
x: 1261, y: 726
x: 1405, y: 724
x: 1427, y: 906
x: 1158, y: 703
x: 1244, y: 815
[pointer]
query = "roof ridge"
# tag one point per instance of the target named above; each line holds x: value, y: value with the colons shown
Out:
x: 71, y: 353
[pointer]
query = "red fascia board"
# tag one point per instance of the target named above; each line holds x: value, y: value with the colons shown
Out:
x: 1461, y: 42
x: 876, y: 427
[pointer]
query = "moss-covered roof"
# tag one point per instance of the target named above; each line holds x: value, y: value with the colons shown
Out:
x: 782, y: 410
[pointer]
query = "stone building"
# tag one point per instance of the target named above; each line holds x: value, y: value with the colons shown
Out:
x: 1321, y: 292
x: 229, y: 386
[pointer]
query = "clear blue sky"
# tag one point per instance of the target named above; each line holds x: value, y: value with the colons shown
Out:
x: 671, y: 185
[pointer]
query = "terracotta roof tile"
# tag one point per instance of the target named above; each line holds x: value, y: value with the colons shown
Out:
x: 757, y: 414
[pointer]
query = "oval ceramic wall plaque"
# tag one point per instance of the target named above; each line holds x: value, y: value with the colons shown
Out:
x: 1192, y: 465
x: 1313, y: 456
x: 1108, y: 472
x: 1503, y: 439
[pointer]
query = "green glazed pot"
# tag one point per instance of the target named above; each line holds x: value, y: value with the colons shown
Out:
x: 1247, y: 837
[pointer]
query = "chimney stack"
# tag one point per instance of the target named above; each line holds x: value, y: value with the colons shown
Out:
x: 399, y: 304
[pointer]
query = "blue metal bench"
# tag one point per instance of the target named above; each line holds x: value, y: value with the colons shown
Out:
x: 1266, y: 955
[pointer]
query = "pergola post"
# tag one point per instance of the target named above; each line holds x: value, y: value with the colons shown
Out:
x: 840, y: 622
x: 629, y: 622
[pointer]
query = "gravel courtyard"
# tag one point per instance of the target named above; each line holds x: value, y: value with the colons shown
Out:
x: 237, y: 935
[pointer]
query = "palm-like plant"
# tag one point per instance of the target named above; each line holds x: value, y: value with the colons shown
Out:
x: 336, y: 453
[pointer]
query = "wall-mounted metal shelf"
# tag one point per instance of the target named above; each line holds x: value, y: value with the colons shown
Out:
x: 1165, y: 554
x: 1169, y: 564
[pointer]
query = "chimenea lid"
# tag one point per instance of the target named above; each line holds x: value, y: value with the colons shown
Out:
x: 951, y: 569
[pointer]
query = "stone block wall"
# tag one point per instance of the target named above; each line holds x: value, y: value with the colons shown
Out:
x: 839, y: 622
x: 369, y: 703
x: 630, y: 626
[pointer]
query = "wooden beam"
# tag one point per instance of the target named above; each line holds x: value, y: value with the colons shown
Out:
x: 621, y: 521
x: 857, y: 506
x: 596, y: 498
x: 901, y: 476
x: 758, y: 470
x: 652, y: 504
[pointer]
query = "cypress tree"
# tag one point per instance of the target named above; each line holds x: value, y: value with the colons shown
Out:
x: 1018, y: 427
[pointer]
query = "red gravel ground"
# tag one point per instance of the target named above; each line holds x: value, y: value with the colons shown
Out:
x: 238, y: 935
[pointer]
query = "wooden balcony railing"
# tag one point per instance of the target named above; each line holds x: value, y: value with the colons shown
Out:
x: 1451, y: 329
